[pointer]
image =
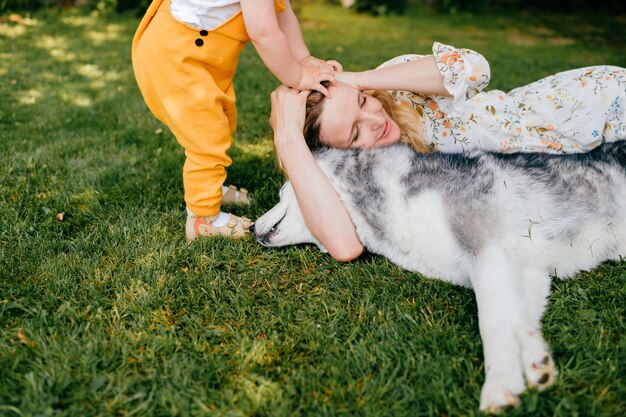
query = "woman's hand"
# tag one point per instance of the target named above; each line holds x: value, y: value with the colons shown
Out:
x: 349, y: 78
x: 288, y: 113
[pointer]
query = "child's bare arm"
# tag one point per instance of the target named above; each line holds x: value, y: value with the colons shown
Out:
x: 269, y: 41
x: 274, y: 48
x: 289, y: 25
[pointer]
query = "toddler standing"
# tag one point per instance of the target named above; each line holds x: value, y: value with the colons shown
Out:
x: 185, y: 54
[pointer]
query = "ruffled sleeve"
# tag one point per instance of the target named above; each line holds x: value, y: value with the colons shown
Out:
x: 465, y: 74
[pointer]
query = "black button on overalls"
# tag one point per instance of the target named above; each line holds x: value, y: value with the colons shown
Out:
x: 200, y: 42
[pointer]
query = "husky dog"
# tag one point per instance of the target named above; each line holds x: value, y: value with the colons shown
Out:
x: 498, y: 223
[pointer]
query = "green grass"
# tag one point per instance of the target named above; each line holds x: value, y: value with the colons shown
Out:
x: 111, y: 312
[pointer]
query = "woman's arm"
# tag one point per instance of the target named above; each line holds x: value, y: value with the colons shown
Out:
x: 322, y: 209
x: 419, y: 76
x: 452, y: 72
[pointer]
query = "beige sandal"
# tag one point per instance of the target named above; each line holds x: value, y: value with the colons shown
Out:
x: 235, y: 228
x: 236, y: 196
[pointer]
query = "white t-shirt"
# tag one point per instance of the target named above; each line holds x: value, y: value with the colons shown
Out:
x: 204, y: 14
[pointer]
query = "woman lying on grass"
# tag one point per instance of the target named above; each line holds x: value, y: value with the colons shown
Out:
x: 435, y: 103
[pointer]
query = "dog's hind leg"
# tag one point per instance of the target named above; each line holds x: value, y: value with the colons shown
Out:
x: 496, y: 280
x: 537, y: 362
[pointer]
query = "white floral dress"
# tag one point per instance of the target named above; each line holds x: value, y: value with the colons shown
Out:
x: 572, y: 111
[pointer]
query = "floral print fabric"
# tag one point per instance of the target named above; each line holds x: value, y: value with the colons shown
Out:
x: 568, y: 112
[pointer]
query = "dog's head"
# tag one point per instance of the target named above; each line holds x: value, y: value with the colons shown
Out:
x: 283, y: 224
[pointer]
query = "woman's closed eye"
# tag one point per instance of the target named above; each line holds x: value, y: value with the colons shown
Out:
x: 356, y: 136
x: 362, y: 102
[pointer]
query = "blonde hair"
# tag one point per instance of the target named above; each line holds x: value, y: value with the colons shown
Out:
x: 408, y: 118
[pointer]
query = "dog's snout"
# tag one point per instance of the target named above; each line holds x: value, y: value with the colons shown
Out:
x: 251, y: 228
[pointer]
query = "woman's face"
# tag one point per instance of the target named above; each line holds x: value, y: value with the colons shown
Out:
x: 351, y: 119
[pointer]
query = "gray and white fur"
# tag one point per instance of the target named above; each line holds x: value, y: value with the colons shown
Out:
x: 498, y: 223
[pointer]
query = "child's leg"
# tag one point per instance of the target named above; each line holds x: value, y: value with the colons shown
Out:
x: 203, y: 178
x: 197, y: 104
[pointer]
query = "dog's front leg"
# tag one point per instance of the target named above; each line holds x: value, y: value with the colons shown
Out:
x: 496, y: 279
x: 537, y: 362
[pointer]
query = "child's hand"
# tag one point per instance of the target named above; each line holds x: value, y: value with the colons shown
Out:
x: 318, y: 63
x: 311, y: 79
x: 336, y: 66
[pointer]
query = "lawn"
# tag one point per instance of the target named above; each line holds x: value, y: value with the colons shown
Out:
x: 106, y: 310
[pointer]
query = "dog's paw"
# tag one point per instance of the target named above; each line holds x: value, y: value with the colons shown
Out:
x: 501, y: 392
x: 539, y: 368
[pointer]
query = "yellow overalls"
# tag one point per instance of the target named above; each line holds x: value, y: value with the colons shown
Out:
x: 186, y: 78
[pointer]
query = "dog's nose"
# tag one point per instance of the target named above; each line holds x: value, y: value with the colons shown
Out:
x: 251, y: 228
